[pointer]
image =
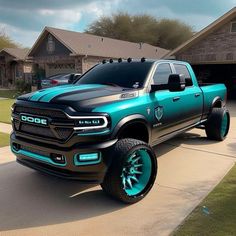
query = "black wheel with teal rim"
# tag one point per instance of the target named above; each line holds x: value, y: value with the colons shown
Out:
x: 132, y: 172
x: 218, y: 123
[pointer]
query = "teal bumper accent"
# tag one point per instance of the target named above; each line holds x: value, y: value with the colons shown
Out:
x: 94, y: 133
x: 36, y: 156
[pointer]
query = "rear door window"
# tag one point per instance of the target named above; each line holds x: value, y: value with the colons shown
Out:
x: 182, y: 69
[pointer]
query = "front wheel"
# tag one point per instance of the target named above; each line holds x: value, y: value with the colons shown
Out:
x: 132, y: 172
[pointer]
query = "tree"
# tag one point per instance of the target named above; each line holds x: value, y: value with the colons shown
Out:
x: 172, y: 33
x: 6, y: 41
x: 163, y: 33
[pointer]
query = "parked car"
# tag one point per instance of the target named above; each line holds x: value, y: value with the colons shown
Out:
x: 102, y: 128
x: 74, y: 77
x: 59, y: 79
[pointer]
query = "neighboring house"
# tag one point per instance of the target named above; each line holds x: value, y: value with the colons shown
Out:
x: 212, y: 52
x: 62, y: 51
x: 14, y: 66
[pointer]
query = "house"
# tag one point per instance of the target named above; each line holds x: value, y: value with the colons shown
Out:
x: 63, y: 51
x: 14, y: 66
x: 212, y: 52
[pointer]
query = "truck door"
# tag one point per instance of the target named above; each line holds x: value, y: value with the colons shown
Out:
x: 191, y: 99
x: 173, y: 110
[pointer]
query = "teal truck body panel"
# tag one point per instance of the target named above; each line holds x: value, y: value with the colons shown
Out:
x: 109, y: 102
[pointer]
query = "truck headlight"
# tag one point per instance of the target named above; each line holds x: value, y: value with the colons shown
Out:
x: 89, y: 122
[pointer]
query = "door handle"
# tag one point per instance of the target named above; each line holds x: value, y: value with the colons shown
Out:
x: 197, y: 95
x: 176, y: 99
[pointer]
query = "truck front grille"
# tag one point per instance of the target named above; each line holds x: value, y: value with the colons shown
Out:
x: 54, y: 114
x: 57, y: 132
x: 37, y: 130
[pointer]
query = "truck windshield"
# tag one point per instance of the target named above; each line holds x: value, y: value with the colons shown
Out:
x: 124, y: 74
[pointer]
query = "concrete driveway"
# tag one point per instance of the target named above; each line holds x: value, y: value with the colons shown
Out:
x: 189, y: 167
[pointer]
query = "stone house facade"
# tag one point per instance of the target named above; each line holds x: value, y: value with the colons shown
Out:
x: 212, y: 52
x: 14, y: 66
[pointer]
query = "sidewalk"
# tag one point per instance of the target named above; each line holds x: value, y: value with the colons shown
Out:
x: 6, y: 155
x: 5, y: 128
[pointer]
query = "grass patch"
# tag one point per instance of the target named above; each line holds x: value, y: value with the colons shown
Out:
x: 8, y: 93
x: 4, y: 139
x: 221, y: 203
x: 5, y: 110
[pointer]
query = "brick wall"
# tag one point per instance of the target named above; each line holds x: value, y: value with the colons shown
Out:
x: 219, y: 46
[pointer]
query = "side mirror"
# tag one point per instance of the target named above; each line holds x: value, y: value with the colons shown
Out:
x: 176, y: 82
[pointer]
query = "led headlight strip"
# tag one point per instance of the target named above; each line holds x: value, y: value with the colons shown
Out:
x: 89, y: 122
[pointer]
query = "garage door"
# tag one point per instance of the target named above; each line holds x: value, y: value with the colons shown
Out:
x: 59, y: 68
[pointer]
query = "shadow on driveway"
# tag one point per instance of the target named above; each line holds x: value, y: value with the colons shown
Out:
x: 30, y: 199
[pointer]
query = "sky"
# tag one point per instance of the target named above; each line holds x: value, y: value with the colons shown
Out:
x: 23, y: 20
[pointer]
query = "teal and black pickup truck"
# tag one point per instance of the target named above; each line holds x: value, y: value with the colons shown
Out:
x: 102, y: 128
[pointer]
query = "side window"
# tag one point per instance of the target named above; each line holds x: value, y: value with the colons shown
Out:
x: 162, y: 74
x: 182, y: 69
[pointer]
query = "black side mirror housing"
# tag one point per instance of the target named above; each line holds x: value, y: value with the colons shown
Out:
x: 176, y: 82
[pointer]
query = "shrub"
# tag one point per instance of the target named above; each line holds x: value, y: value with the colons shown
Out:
x: 22, y: 86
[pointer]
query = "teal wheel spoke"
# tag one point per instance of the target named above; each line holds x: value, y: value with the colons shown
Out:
x: 138, y: 165
x: 136, y: 172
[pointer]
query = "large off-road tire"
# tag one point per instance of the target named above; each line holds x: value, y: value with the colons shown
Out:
x: 217, y: 126
x: 132, y: 172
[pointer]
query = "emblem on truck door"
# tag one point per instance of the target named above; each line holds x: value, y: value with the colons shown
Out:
x: 159, y: 113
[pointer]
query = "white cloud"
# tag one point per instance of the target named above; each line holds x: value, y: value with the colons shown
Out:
x: 24, y: 37
x: 24, y: 24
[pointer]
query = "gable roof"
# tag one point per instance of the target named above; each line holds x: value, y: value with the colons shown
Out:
x: 17, y: 53
x: 92, y: 45
x: 203, y: 33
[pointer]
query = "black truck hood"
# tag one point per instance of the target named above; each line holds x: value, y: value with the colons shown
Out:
x: 80, y: 97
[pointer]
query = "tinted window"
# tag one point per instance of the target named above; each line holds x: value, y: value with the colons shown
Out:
x: 124, y: 74
x: 182, y: 69
x: 162, y: 74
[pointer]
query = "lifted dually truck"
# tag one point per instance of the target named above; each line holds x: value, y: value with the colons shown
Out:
x: 102, y: 127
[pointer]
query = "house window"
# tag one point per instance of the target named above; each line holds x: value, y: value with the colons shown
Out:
x: 233, y: 27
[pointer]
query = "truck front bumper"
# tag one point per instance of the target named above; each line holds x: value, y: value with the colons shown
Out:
x: 87, y: 163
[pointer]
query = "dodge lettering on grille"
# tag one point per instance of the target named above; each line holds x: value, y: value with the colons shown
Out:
x: 34, y: 120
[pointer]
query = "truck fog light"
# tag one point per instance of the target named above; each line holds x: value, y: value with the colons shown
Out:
x: 58, y: 158
x: 87, y: 158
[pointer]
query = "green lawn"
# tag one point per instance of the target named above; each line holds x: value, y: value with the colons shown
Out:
x: 8, y: 93
x: 5, y: 110
x: 221, y: 220
x: 4, y: 139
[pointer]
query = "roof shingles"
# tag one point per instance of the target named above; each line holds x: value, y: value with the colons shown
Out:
x: 17, y: 53
x: 92, y: 45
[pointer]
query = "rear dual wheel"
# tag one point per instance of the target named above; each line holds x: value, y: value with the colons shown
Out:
x: 132, y: 172
x: 218, y: 123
